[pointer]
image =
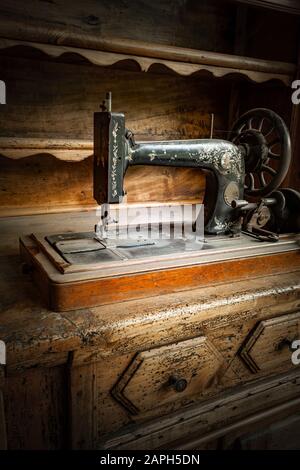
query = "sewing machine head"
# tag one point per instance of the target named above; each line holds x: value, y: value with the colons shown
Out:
x: 245, y: 165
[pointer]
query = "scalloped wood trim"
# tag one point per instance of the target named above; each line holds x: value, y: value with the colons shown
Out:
x: 188, y: 61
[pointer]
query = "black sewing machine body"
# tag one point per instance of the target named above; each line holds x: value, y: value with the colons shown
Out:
x: 220, y: 157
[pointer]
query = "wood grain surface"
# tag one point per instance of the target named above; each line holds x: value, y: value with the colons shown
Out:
x: 68, y: 294
x: 157, y: 107
x: 206, y: 25
x: 52, y: 101
x: 90, y: 349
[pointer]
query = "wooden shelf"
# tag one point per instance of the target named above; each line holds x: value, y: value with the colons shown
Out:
x: 107, y: 51
x: 110, y: 51
x: 56, y: 41
x: 63, y: 149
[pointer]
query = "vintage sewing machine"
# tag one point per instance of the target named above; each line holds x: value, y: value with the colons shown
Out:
x: 243, y: 208
x: 234, y: 167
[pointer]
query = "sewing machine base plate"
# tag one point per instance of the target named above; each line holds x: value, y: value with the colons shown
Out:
x: 77, y: 270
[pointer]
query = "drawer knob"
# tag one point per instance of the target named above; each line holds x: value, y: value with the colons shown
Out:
x: 285, y: 343
x: 178, y: 384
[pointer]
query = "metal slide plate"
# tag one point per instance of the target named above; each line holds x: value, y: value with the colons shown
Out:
x: 86, y: 248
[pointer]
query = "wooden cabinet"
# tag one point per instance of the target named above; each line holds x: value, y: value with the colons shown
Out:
x: 280, y: 435
x: 178, y: 370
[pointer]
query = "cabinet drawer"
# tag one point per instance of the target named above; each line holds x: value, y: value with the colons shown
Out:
x: 269, y: 345
x: 168, y: 374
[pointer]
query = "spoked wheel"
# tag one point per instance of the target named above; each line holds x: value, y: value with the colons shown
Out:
x: 266, y: 145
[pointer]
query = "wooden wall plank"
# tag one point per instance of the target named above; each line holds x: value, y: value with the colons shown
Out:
x: 201, y: 25
x: 54, y: 100
x: 58, y: 100
x: 293, y: 177
x: 206, y: 25
x: 46, y: 99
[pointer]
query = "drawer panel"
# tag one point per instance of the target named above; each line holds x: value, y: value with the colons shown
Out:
x: 168, y: 374
x: 269, y: 345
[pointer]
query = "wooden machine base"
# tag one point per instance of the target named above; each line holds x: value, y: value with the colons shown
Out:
x: 66, y: 287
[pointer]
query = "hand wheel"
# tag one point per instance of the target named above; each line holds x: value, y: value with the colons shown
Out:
x: 266, y: 147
